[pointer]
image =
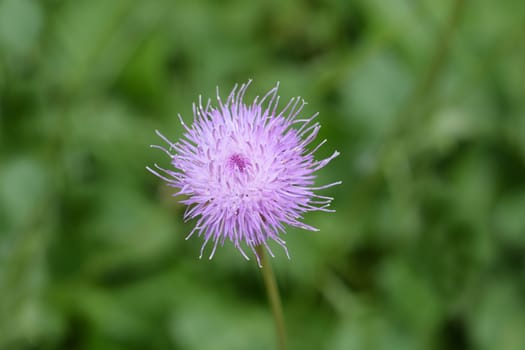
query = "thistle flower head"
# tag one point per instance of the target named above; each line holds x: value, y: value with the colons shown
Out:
x: 246, y: 170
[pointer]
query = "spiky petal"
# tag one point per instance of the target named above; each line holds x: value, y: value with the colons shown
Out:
x: 246, y: 171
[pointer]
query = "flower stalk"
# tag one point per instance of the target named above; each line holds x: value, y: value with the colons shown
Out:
x: 273, y: 297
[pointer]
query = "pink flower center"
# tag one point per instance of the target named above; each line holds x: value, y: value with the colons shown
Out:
x: 238, y: 161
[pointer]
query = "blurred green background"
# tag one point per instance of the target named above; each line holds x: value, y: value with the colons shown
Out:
x: 424, y: 99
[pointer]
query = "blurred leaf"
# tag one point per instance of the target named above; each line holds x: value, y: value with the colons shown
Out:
x: 374, y: 91
x: 509, y: 219
x: 25, y: 187
x: 20, y: 26
x: 411, y: 298
x: 498, y: 319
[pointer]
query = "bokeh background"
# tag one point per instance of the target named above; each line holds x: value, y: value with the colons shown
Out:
x: 424, y: 99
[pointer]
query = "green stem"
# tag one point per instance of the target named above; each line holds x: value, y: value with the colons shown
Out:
x: 273, y: 297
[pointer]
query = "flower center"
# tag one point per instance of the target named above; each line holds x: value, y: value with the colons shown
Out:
x: 238, y: 161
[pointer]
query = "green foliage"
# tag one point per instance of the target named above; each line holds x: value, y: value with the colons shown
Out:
x: 424, y: 99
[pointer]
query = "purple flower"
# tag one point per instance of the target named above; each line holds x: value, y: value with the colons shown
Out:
x: 245, y: 170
